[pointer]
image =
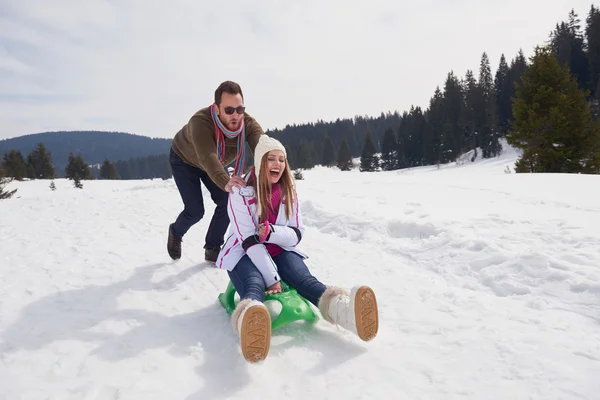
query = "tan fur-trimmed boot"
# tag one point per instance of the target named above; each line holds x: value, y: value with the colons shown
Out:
x: 355, y: 310
x: 252, y: 321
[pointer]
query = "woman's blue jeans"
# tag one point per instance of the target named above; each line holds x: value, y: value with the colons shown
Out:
x: 249, y: 282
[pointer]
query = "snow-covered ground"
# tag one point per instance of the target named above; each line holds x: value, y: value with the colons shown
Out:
x: 488, y: 285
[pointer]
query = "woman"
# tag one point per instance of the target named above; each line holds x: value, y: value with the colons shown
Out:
x: 261, y: 251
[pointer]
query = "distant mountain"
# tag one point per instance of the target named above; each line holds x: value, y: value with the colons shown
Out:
x: 94, y: 146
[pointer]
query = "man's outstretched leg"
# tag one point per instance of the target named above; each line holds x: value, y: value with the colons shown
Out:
x: 187, y: 179
x: 215, y: 236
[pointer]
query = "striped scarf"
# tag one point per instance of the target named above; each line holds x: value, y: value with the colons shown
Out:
x: 220, y: 132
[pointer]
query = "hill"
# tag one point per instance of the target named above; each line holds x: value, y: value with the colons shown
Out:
x: 487, y: 284
x: 94, y: 146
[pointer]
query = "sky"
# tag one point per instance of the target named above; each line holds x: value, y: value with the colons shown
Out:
x: 146, y: 66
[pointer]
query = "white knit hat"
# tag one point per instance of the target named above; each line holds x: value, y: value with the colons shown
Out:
x: 265, y: 144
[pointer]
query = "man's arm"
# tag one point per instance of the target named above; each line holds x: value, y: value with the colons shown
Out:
x: 202, y: 134
x: 253, y: 132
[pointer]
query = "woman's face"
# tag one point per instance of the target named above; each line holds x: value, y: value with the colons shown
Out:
x: 275, y: 165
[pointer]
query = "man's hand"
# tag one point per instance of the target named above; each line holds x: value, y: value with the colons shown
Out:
x: 236, y: 181
x: 274, y: 288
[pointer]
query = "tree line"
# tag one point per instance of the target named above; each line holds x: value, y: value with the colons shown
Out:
x: 547, y: 107
x: 95, y: 146
x: 477, y: 110
x: 38, y: 165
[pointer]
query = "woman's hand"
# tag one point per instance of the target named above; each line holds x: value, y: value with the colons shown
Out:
x: 262, y: 230
x: 274, y: 288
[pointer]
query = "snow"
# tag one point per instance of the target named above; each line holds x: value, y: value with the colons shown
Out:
x: 488, y: 285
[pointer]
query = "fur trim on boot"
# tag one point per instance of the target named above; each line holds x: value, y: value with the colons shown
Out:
x: 326, y: 298
x: 355, y: 311
x: 252, y: 322
x: 235, y: 316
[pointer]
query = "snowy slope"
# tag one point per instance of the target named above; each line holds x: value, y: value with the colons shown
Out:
x: 488, y: 285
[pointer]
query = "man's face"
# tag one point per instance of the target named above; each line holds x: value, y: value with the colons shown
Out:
x: 231, y: 121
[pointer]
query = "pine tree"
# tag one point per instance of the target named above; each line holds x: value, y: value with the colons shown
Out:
x: 369, y: 161
x: 502, y: 92
x: 553, y: 124
x: 435, y: 123
x: 518, y: 67
x: 404, y: 151
x: 318, y: 151
x: 488, y: 134
x: 40, y: 163
x: 306, y: 156
x: 71, y: 171
x: 77, y: 170
x: 344, y: 160
x: 389, y: 149
x: 453, y: 109
x: 5, y: 194
x: 592, y: 35
x: 580, y: 65
x: 472, y: 117
x: 418, y: 128
x: 568, y: 44
x: 108, y: 170
x: 428, y: 140
x: 410, y: 148
x: 30, y: 171
x: 14, y: 165
x: 596, y: 102
x: 328, y: 152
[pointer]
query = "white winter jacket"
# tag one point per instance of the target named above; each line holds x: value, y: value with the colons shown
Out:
x: 287, y: 233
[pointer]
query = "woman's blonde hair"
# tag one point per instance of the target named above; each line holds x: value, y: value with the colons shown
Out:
x: 265, y: 189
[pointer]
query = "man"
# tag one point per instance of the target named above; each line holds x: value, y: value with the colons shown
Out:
x: 213, y: 137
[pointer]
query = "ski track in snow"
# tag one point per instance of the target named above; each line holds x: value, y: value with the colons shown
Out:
x: 488, y: 286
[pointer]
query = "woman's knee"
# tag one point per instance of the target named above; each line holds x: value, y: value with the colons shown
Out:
x: 292, y: 264
x: 248, y: 280
x: 254, y: 288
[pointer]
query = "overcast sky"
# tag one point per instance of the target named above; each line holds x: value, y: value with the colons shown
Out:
x: 146, y: 66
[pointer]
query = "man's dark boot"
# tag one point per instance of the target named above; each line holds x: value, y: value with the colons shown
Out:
x: 211, y: 254
x: 174, y: 244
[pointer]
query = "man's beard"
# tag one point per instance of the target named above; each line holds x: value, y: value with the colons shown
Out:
x: 232, y: 126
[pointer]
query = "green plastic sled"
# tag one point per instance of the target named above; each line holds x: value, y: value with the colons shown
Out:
x: 293, y: 306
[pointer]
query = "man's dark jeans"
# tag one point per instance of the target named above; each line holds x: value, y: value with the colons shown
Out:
x: 187, y: 179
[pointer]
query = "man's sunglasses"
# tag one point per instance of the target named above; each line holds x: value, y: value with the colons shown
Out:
x: 230, y: 110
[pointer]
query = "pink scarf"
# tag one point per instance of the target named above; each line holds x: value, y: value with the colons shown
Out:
x: 274, y: 249
x: 221, y: 131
